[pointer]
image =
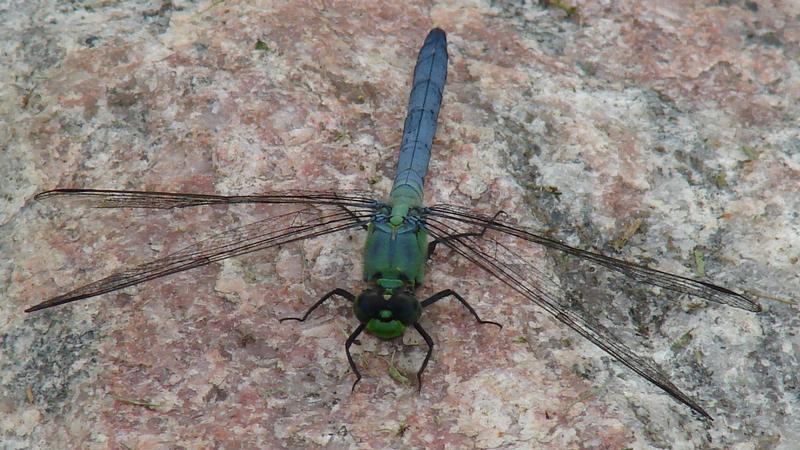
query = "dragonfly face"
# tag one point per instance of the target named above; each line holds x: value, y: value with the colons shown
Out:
x: 387, y: 312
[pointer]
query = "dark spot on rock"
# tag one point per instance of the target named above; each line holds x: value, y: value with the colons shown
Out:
x: 246, y: 339
x: 216, y: 394
x: 771, y: 39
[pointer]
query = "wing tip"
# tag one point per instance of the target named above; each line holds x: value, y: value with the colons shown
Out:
x: 55, y: 301
x: 745, y: 303
x: 703, y: 415
x: 46, y: 194
x: 38, y: 307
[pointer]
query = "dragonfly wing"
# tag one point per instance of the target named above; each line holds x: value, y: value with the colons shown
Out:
x: 531, y: 282
x: 104, y: 198
x: 304, y: 223
x: 637, y: 272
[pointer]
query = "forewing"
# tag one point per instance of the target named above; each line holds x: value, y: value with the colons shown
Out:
x: 303, y: 223
x: 539, y: 287
x: 104, y: 198
x: 637, y: 272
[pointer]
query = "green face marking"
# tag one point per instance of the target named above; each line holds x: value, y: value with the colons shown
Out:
x: 384, y: 328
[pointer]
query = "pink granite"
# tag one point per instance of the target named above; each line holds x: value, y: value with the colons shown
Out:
x: 680, y: 113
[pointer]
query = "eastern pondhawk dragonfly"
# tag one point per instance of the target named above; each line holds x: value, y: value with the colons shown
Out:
x: 397, y: 244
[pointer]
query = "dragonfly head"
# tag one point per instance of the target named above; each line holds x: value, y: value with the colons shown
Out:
x: 387, y: 312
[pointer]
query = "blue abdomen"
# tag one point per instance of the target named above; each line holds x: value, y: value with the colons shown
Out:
x: 430, y: 74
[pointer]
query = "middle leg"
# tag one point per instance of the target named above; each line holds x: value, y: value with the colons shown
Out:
x: 450, y: 293
x: 340, y: 292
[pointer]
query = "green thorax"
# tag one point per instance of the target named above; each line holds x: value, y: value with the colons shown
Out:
x: 397, y: 245
x: 394, y: 266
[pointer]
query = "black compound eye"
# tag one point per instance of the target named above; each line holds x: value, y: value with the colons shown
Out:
x: 369, y: 304
x: 405, y: 307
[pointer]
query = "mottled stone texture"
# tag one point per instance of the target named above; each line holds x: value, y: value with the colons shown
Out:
x: 680, y: 117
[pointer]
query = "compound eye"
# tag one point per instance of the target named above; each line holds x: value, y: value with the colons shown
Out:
x: 406, y: 308
x: 369, y: 304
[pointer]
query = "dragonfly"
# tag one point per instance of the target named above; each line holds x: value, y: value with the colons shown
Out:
x: 401, y: 235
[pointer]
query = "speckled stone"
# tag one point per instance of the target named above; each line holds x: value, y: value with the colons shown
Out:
x: 678, y: 116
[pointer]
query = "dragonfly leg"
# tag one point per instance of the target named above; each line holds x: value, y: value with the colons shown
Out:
x: 432, y: 245
x: 450, y: 293
x: 428, y: 341
x: 350, y: 340
x: 340, y: 292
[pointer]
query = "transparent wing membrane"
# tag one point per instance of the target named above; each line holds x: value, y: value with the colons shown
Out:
x: 100, y: 198
x: 542, y: 289
x: 318, y: 216
x: 637, y: 272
